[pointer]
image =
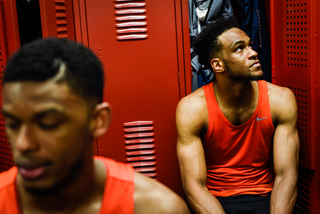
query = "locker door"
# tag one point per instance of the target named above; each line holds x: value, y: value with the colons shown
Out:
x: 9, y: 42
x: 144, y: 48
x: 295, y: 64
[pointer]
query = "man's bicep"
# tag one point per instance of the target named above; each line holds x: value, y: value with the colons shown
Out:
x: 286, y: 138
x: 192, y: 163
x: 191, y: 159
x: 286, y: 149
x: 189, y: 146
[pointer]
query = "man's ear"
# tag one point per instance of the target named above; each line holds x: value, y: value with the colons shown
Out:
x: 101, y: 119
x: 217, y: 65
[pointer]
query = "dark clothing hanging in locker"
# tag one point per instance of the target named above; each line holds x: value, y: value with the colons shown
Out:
x: 215, y: 9
x: 202, y: 12
x: 252, y: 20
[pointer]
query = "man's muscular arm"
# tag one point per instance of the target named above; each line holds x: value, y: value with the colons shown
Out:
x: 189, y: 121
x: 285, y: 151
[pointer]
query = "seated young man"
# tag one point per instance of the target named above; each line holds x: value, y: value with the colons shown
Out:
x: 52, y: 103
x: 235, y: 132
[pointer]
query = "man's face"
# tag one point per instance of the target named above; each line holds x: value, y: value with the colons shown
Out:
x: 240, y: 60
x: 48, y: 128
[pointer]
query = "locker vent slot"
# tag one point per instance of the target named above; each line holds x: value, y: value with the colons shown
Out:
x: 296, y: 46
x: 302, y: 125
x: 131, y: 20
x: 61, y: 15
x: 304, y: 184
x: 140, y: 147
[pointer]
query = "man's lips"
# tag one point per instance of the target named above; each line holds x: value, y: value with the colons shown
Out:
x: 32, y: 173
x: 255, y: 64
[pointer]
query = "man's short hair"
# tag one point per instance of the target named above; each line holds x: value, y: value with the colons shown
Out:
x: 41, y: 60
x: 207, y: 45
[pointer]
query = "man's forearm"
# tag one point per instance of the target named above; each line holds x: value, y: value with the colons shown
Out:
x: 283, y: 196
x: 202, y: 201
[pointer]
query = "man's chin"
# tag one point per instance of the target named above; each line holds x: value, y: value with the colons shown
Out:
x: 257, y: 77
x: 39, y: 189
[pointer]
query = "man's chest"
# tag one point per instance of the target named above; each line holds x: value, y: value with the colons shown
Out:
x: 238, y: 116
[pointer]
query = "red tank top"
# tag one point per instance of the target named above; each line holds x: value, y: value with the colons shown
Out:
x: 239, y: 158
x: 118, y: 194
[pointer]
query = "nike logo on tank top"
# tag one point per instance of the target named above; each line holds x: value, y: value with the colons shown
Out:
x: 239, y: 158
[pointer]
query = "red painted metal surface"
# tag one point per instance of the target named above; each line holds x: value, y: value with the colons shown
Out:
x: 144, y: 47
x: 57, y: 18
x: 9, y: 42
x: 10, y: 27
x: 295, y: 64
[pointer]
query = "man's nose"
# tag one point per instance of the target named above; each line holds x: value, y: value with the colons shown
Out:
x: 252, y: 53
x: 25, y: 141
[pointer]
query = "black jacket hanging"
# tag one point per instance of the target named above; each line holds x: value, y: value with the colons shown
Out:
x: 252, y: 20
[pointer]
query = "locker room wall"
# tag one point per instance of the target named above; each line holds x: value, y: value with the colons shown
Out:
x: 294, y: 26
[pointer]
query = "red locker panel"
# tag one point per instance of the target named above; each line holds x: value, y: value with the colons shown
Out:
x: 57, y: 18
x: 9, y: 42
x: 295, y: 64
x: 144, y: 47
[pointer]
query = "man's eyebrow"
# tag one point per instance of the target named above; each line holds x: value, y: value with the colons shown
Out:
x: 46, y: 112
x: 36, y: 116
x: 232, y: 45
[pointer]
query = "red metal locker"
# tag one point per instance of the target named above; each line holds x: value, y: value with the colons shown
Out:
x: 9, y: 42
x: 144, y: 47
x: 295, y: 64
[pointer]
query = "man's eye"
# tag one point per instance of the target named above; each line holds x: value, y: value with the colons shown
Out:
x: 239, y: 48
x: 12, y: 125
x: 48, y: 126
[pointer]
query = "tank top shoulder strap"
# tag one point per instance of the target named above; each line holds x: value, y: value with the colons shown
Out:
x: 264, y: 96
x: 118, y: 194
x: 264, y: 106
x: 211, y: 106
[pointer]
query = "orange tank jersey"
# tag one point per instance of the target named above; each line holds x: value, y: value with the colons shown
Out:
x: 118, y: 191
x: 239, y: 158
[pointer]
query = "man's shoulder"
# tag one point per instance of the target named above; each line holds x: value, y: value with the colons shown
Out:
x: 153, y: 197
x: 278, y: 93
x: 8, y: 178
x: 8, y: 193
x: 117, y: 170
x: 193, y: 101
x: 282, y: 100
x: 192, y: 110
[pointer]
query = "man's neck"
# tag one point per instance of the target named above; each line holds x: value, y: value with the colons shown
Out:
x: 235, y: 93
